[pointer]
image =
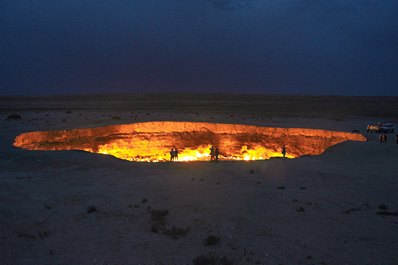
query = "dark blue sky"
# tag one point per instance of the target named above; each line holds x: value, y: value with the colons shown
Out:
x: 339, y: 47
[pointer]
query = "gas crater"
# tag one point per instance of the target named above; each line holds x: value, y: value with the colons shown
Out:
x: 152, y: 141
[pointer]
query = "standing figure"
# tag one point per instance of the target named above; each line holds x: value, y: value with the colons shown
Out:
x: 176, y: 154
x: 216, y: 153
x: 211, y: 153
x: 381, y: 138
x: 283, y: 150
x: 171, y: 154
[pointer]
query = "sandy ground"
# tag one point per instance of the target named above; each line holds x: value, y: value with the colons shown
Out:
x: 72, y: 207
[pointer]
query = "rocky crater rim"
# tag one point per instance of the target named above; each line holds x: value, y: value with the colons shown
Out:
x: 152, y: 141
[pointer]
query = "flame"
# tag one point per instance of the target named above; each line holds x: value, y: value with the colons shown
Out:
x: 150, y: 151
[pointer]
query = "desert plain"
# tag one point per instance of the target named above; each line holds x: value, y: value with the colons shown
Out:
x: 73, y: 207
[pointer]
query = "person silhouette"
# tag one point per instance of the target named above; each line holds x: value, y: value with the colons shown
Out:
x: 176, y: 154
x: 211, y: 153
x: 284, y: 150
x: 216, y: 153
x: 171, y: 154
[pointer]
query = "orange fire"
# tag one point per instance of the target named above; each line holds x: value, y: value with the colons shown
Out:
x: 152, y: 141
x: 146, y: 153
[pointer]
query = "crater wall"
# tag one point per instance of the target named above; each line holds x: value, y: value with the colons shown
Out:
x: 151, y: 141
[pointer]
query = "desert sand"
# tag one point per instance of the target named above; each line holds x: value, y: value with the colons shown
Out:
x: 73, y: 207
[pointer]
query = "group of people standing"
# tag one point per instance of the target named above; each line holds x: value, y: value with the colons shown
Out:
x: 214, y: 154
x: 173, y: 154
x: 383, y: 138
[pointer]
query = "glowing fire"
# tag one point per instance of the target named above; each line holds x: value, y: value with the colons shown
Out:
x: 125, y: 150
x: 152, y: 141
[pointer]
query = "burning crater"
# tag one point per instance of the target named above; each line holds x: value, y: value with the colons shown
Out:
x: 152, y: 141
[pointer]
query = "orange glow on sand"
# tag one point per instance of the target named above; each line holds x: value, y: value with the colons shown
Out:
x: 152, y: 141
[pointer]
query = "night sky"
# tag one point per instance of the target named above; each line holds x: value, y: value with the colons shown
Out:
x: 333, y: 47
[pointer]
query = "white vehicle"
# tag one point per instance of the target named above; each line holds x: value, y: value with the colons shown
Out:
x: 380, y: 128
x: 387, y: 128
